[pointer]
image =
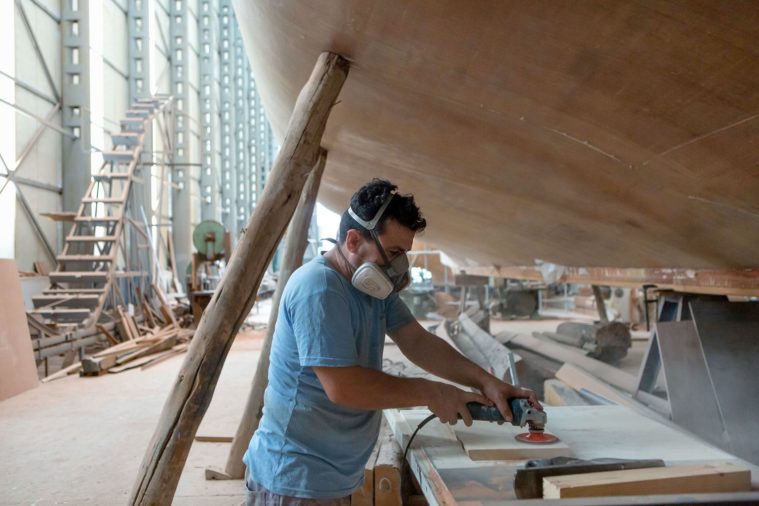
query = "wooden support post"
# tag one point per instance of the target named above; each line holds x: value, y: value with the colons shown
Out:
x: 191, y: 394
x: 388, y: 471
x: 600, y: 304
x: 295, y: 246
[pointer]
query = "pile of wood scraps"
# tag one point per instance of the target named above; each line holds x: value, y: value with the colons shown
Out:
x: 141, y: 352
x: 135, y: 341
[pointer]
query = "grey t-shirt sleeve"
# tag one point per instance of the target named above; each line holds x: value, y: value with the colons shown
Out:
x: 397, y: 314
x: 321, y: 323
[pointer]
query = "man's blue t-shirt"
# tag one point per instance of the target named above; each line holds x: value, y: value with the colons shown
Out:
x: 306, y: 445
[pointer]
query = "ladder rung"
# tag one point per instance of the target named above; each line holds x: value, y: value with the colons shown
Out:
x: 138, y: 113
x: 103, y: 200
x: 69, y: 276
x: 97, y: 219
x: 125, y: 138
x: 66, y: 300
x: 57, y: 291
x: 64, y: 314
x: 118, y: 156
x: 103, y: 176
x: 84, y: 258
x: 133, y: 125
x: 91, y: 238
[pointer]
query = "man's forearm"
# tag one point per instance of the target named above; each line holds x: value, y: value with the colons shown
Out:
x: 364, y: 388
x: 440, y: 358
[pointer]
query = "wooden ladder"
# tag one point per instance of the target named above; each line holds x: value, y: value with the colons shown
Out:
x: 86, y: 274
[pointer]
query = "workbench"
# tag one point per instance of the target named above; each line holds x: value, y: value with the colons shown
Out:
x: 447, y: 476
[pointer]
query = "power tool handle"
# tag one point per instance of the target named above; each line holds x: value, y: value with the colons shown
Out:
x: 491, y: 414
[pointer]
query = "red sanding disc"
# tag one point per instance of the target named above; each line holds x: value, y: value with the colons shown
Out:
x: 536, y: 438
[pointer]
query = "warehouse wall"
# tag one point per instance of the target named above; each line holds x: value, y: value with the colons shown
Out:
x: 43, y: 163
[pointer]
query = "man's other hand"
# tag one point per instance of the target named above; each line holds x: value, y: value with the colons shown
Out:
x: 499, y: 393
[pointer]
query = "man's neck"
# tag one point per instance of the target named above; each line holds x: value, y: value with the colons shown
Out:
x: 338, y: 262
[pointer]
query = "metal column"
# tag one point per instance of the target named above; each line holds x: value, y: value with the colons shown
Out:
x: 138, y: 22
x: 180, y: 88
x: 209, y: 176
x: 254, y: 144
x: 242, y: 135
x: 229, y: 209
x: 77, y: 161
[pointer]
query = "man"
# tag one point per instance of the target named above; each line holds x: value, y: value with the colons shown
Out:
x: 322, y: 407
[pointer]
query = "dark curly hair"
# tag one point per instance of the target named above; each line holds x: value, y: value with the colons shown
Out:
x: 367, y: 201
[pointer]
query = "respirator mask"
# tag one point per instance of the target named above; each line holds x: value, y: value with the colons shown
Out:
x: 379, y: 281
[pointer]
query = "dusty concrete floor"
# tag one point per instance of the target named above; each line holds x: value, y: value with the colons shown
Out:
x: 81, y: 440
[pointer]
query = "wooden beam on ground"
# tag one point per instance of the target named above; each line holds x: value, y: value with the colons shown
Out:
x: 581, y: 380
x: 693, y: 479
x: 563, y: 353
x: 213, y: 439
x: 191, y: 393
x: 295, y: 247
x: 73, y: 368
x: 558, y: 393
x: 96, y: 366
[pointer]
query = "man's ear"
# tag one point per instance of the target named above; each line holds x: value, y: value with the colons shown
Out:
x: 352, y: 240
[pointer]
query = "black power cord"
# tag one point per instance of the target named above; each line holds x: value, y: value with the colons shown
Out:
x: 418, y: 427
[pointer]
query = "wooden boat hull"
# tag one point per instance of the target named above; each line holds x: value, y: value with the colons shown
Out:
x: 585, y: 134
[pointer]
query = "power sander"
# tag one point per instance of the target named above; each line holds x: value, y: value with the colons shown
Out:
x: 522, y: 414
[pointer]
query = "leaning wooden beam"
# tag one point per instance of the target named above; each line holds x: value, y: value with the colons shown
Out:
x: 192, y: 391
x: 295, y: 247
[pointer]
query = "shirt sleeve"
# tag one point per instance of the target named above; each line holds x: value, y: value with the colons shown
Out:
x: 397, y: 313
x: 321, y: 323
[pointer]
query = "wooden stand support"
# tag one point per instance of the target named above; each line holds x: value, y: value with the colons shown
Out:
x: 295, y: 247
x: 191, y: 394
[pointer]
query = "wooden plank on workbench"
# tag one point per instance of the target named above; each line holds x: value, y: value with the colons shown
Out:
x: 689, y: 479
x: 490, y: 441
